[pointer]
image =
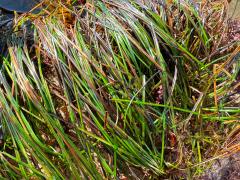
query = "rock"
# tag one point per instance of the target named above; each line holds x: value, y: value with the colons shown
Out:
x: 234, y: 9
x: 21, y: 6
x: 5, y: 29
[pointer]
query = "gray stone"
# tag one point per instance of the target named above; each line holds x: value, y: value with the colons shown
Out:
x: 19, y: 5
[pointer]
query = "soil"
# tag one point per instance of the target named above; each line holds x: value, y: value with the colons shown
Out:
x: 225, y: 169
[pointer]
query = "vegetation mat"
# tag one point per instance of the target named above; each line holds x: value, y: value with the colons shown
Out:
x: 119, y: 89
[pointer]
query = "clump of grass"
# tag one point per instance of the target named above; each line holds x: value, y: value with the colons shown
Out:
x: 138, y: 89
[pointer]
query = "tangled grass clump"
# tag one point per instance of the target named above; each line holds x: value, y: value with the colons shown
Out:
x: 120, y: 89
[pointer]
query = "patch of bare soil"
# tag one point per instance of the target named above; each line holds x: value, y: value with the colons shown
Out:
x: 227, y: 167
x: 224, y: 169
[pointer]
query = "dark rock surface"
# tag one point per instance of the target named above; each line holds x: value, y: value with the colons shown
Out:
x: 5, y: 29
x: 6, y: 16
x: 18, y: 5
